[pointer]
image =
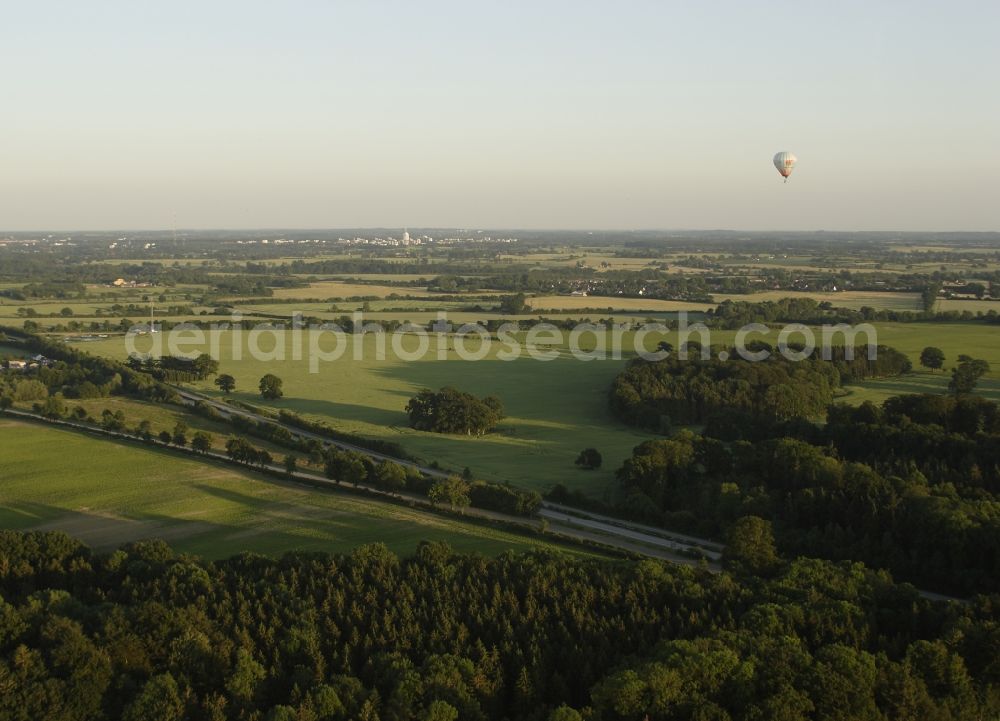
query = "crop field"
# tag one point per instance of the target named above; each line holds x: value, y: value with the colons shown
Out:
x: 402, y: 277
x: 340, y: 289
x: 131, y: 294
x: 107, y: 493
x: 842, y: 299
x: 575, y: 302
x: 338, y: 308
x: 590, y: 259
x: 459, y: 317
x: 80, y: 309
x: 420, y: 311
x: 88, y: 308
x: 973, y: 306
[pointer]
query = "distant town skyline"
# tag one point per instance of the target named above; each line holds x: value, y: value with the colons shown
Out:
x: 551, y: 115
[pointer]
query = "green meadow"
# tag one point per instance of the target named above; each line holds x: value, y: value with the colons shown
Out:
x: 554, y: 408
x: 107, y: 493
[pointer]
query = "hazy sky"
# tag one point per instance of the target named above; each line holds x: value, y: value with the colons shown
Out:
x: 540, y: 113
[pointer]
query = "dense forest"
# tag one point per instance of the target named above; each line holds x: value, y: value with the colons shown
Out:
x: 911, y: 486
x: 734, y: 315
x: 654, y: 394
x: 143, y: 633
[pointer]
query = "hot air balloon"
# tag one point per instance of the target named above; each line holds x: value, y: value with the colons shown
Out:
x: 785, y: 163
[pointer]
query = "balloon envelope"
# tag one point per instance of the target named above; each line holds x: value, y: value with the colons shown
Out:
x: 785, y: 163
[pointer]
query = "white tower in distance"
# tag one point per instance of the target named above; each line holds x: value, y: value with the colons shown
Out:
x: 406, y: 236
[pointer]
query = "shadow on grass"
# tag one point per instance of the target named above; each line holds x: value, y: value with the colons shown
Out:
x: 312, y: 528
x: 933, y: 383
x: 106, y: 531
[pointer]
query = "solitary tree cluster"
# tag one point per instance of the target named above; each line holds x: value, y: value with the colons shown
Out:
x: 226, y: 383
x: 345, y: 466
x: 242, y: 451
x: 270, y: 387
x: 966, y: 374
x: 201, y: 442
x: 452, y: 411
x: 589, y: 459
x: 175, y: 368
x: 452, y: 490
x: 515, y: 304
x: 931, y: 357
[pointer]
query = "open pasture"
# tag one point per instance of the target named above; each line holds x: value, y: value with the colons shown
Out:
x: 107, y: 493
x: 555, y: 408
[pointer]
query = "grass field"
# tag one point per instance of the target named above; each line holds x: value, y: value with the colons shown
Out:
x: 555, y: 408
x: 107, y: 493
x: 977, y: 340
x: 12, y: 351
x: 919, y: 382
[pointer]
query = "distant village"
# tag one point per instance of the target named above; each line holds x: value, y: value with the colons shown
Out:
x: 124, y: 243
x: 25, y: 364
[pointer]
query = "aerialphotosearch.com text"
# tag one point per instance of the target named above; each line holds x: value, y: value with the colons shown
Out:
x: 327, y: 342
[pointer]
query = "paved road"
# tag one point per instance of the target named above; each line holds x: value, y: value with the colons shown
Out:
x: 679, y: 538
x: 617, y: 530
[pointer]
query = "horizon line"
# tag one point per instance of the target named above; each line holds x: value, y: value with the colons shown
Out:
x: 553, y: 229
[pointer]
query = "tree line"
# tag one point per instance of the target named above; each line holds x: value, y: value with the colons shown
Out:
x: 733, y: 315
